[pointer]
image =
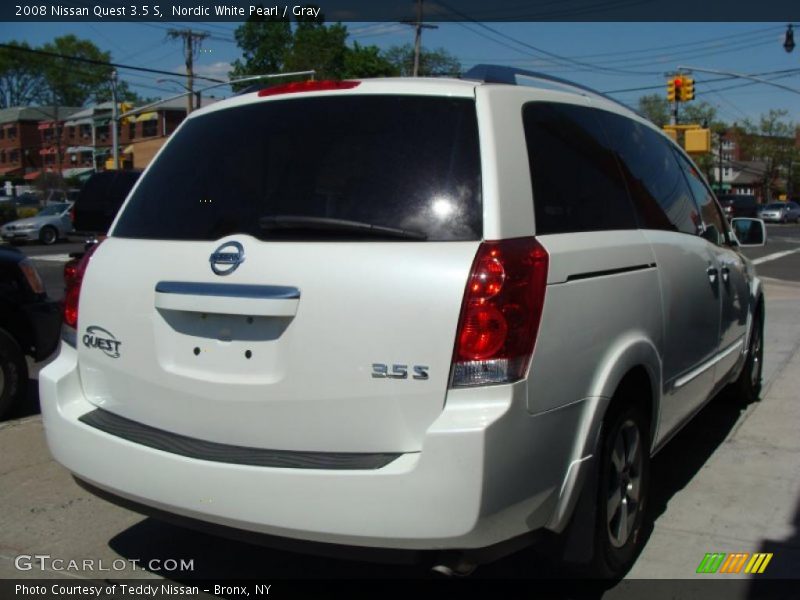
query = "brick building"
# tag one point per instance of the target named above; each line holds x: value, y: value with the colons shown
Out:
x: 21, y: 139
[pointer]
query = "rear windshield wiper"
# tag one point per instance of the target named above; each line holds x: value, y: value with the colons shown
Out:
x: 279, y: 222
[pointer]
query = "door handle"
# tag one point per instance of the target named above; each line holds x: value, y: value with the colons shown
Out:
x: 726, y: 273
x: 712, y: 273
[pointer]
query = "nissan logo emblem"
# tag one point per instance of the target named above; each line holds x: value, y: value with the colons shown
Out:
x: 225, y: 259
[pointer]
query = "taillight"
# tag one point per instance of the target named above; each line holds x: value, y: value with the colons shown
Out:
x: 308, y: 86
x: 500, y: 313
x: 32, y: 276
x: 74, y: 271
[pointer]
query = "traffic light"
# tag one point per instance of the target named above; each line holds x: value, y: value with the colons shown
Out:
x: 674, y: 88
x: 687, y: 89
x: 123, y: 108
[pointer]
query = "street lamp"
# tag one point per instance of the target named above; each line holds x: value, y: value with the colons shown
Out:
x: 788, y: 42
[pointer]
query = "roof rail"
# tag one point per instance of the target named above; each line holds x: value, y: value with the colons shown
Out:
x: 508, y: 75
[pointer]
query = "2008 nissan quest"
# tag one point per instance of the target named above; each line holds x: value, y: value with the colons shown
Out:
x: 406, y: 314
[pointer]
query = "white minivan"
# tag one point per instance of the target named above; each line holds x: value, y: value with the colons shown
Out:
x: 409, y: 314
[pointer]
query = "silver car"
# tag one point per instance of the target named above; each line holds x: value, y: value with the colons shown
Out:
x: 51, y: 224
x: 780, y: 212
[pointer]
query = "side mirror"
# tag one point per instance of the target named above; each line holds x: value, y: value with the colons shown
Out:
x: 749, y: 232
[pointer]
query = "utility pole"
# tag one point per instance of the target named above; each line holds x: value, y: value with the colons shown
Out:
x: 189, y: 38
x: 721, y: 187
x: 114, y: 120
x: 418, y: 25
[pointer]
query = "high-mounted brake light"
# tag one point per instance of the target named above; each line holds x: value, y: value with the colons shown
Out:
x: 308, y: 86
x: 500, y: 313
x: 74, y: 271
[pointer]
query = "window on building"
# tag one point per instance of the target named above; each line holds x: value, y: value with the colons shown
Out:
x: 71, y: 132
x: 150, y: 128
x: 131, y: 130
x: 13, y: 156
x: 2, y: 156
x: 102, y: 132
x: 12, y: 132
x: 2, y: 133
x: 86, y: 131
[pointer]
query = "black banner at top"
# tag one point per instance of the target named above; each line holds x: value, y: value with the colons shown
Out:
x: 401, y: 10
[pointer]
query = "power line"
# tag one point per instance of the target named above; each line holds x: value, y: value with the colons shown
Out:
x: 98, y: 62
x: 557, y: 57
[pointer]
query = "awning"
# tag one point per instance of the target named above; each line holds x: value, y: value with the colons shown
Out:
x: 148, y: 116
x: 50, y: 150
x: 46, y: 125
x: 76, y: 122
x: 128, y: 149
x: 77, y: 149
x: 32, y: 175
x: 101, y: 122
x: 76, y: 172
x: 9, y: 170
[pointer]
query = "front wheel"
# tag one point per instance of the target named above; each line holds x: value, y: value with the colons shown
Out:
x: 622, y: 491
x: 48, y: 235
x: 748, y: 386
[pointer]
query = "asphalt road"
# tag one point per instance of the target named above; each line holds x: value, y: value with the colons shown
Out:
x: 705, y: 496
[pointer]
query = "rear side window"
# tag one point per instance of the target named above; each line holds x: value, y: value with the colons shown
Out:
x: 577, y: 185
x: 302, y: 168
x: 656, y: 184
x: 712, y: 219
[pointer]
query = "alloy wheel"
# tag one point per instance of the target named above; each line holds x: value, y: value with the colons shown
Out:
x: 624, y: 485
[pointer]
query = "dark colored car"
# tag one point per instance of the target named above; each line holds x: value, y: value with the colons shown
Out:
x: 739, y: 205
x: 30, y: 324
x: 100, y: 199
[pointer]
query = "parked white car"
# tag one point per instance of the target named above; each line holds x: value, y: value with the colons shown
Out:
x: 414, y: 314
x: 51, y: 224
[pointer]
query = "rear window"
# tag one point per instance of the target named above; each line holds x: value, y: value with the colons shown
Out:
x: 301, y: 168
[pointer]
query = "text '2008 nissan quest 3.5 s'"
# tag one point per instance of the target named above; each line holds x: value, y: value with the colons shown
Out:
x: 408, y: 314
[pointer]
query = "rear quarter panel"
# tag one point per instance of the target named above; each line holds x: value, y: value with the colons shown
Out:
x: 597, y: 323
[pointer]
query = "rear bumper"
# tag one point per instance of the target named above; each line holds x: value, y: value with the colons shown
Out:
x: 488, y: 472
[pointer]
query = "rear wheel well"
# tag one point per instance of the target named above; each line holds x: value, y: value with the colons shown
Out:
x: 636, y: 388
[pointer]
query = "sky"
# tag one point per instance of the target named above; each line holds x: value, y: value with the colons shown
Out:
x: 609, y: 57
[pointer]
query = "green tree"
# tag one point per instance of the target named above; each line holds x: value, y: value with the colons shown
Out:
x: 21, y: 81
x: 367, y: 61
x: 265, y: 43
x: 319, y: 47
x: 71, y: 83
x: 655, y: 107
x: 772, y: 141
x: 432, y: 63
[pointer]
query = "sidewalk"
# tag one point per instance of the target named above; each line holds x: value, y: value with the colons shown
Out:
x: 732, y: 477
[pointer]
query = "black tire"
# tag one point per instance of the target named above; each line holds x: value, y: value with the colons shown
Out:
x: 13, y: 373
x: 748, y: 386
x: 622, y: 491
x: 48, y: 235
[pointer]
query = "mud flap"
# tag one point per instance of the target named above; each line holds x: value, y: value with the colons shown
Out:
x: 578, y: 540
